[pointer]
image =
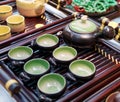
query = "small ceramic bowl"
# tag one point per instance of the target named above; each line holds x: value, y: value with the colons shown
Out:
x: 36, y: 67
x: 113, y: 97
x: 47, y: 41
x: 83, y: 69
x: 5, y: 11
x: 64, y: 54
x: 4, y: 32
x: 16, y: 23
x: 52, y: 84
x: 20, y: 53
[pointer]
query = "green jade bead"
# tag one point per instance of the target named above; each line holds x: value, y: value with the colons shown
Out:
x: 100, y: 5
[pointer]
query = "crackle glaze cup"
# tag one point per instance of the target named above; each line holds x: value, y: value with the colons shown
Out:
x: 30, y: 8
x: 5, y: 32
x: 5, y: 11
x: 16, y: 23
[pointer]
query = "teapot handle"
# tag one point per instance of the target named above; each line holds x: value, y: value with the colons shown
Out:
x: 108, y: 32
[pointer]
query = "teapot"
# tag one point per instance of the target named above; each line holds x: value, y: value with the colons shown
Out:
x: 83, y: 33
x: 30, y: 8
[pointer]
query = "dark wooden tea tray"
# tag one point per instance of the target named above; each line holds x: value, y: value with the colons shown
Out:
x: 103, y: 55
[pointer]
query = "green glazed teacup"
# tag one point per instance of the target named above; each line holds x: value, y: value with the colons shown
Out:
x: 47, y: 41
x: 83, y: 69
x: 64, y: 54
x: 20, y: 53
x: 52, y: 84
x: 36, y: 67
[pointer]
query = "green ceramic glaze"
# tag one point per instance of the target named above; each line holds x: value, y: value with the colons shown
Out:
x: 36, y: 66
x: 82, y: 27
x: 82, y: 68
x: 65, y: 53
x: 51, y: 83
x: 47, y: 40
x: 20, y: 53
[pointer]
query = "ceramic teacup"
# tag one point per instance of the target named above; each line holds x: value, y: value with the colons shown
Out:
x: 16, y: 23
x: 5, y: 11
x: 47, y: 41
x: 36, y: 67
x: 82, y: 69
x: 20, y: 54
x: 113, y: 97
x: 5, y: 32
x: 64, y: 54
x: 52, y: 84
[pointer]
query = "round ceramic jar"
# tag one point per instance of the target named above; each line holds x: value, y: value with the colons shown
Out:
x: 30, y: 8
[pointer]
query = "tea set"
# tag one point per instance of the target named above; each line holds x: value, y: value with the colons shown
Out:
x: 49, y: 83
x: 81, y: 33
x: 16, y: 22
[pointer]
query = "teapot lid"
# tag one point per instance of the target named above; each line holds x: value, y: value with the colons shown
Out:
x: 83, y: 25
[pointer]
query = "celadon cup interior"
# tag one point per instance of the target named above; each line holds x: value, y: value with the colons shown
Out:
x: 47, y: 40
x: 51, y: 84
x: 20, y: 53
x: 82, y: 68
x: 64, y: 53
x: 36, y: 66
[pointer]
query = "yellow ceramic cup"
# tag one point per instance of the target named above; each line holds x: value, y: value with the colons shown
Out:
x: 5, y: 11
x: 16, y: 23
x: 5, y: 32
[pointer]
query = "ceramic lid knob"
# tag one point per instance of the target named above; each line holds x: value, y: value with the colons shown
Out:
x: 84, y: 18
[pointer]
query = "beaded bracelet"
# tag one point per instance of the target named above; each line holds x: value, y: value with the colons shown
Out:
x: 91, y: 6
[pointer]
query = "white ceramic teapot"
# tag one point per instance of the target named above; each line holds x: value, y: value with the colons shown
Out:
x: 30, y: 8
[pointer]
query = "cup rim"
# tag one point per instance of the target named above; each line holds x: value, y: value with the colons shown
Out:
x: 93, y: 72
x: 10, y: 8
x: 111, y: 95
x: 65, y: 82
x: 5, y: 33
x: 17, y: 48
x: 44, y: 35
x: 73, y: 49
x: 16, y: 15
x: 35, y: 59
